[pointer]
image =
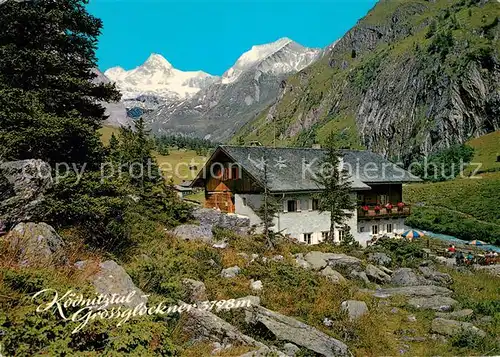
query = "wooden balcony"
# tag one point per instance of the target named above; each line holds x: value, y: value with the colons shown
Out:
x: 395, y: 212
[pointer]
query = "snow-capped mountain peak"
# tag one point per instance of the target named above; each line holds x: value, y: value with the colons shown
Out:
x: 156, y: 76
x: 296, y: 58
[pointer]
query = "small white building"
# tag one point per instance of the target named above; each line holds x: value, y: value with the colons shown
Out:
x: 233, y: 179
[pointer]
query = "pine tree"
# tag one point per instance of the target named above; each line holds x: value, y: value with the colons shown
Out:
x: 336, y: 197
x: 48, y: 97
x: 268, y: 209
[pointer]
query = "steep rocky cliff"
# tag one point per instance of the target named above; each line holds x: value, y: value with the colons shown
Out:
x: 411, y: 77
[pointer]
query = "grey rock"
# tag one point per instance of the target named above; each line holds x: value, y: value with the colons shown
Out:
x: 491, y: 269
x: 412, y: 318
x: 380, y: 259
x: 290, y: 349
x: 342, y: 260
x: 291, y: 330
x: 256, y: 285
x: 316, y: 260
x: 376, y: 275
x: 460, y: 314
x: 36, y: 244
x: 452, y: 328
x: 113, y: 279
x: 385, y: 270
x: 264, y: 352
x: 194, y: 232
x: 220, y: 245
x: 299, y: 259
x: 333, y: 275
x: 354, y: 309
x: 413, y: 291
x: 436, y: 303
x: 359, y: 275
x: 405, y: 277
x: 436, y: 276
x: 230, y: 272
x: 203, y: 325
x: 195, y: 290
x: 214, y: 218
x: 278, y: 258
x: 22, y: 188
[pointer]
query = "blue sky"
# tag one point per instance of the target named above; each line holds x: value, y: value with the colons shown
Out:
x: 211, y: 35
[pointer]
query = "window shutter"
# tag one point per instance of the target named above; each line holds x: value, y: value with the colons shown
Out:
x: 298, y: 206
x: 285, y: 206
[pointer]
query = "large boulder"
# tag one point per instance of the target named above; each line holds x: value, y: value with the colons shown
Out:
x: 436, y: 276
x: 334, y: 276
x: 288, y: 329
x: 376, y: 275
x: 380, y: 259
x: 436, y: 303
x: 412, y: 291
x: 194, y: 232
x: 214, y: 218
x: 452, y: 328
x: 22, y: 188
x: 354, y: 309
x: 316, y: 260
x: 113, y: 279
x: 406, y: 277
x: 342, y: 260
x: 36, y: 244
x: 201, y: 325
x: 361, y: 275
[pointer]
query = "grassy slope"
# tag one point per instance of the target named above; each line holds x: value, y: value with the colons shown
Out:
x: 487, y: 149
x: 175, y: 165
x: 465, y: 207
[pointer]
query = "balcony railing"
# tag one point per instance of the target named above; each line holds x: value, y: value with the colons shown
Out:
x: 383, y: 212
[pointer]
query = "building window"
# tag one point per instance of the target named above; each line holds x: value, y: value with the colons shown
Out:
x: 383, y: 199
x: 389, y: 228
x: 375, y: 229
x: 341, y: 235
x: 235, y: 173
x: 361, y: 229
x: 315, y: 204
x: 324, y: 235
x: 292, y: 206
x: 244, y: 199
x: 307, y: 238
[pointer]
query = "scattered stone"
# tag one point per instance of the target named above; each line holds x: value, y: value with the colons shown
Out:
x: 460, y: 314
x: 359, y: 275
x: 36, y: 244
x: 195, y: 290
x: 230, y: 272
x: 288, y: 329
x: 264, y: 352
x: 376, y: 275
x: 256, y: 285
x: 327, y: 322
x: 412, y: 318
x: 405, y: 277
x: 355, y: 309
x: 452, y: 328
x: 380, y: 259
x: 290, y: 349
x: 243, y: 255
x: 492, y: 269
x: 113, y: 279
x: 333, y: 275
x: 299, y: 259
x: 80, y: 264
x: 436, y: 276
x: 194, y: 232
x: 394, y: 310
x: 220, y: 245
x: 277, y: 258
x: 254, y: 256
x: 436, y: 303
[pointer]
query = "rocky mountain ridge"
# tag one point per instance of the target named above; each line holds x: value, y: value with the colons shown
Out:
x: 410, y: 78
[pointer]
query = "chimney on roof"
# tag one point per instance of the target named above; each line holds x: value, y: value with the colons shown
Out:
x: 316, y: 146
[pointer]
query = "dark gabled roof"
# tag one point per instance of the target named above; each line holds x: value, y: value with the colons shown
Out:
x: 292, y: 169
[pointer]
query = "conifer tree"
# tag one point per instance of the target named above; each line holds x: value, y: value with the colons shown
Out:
x: 48, y: 96
x: 336, y: 197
